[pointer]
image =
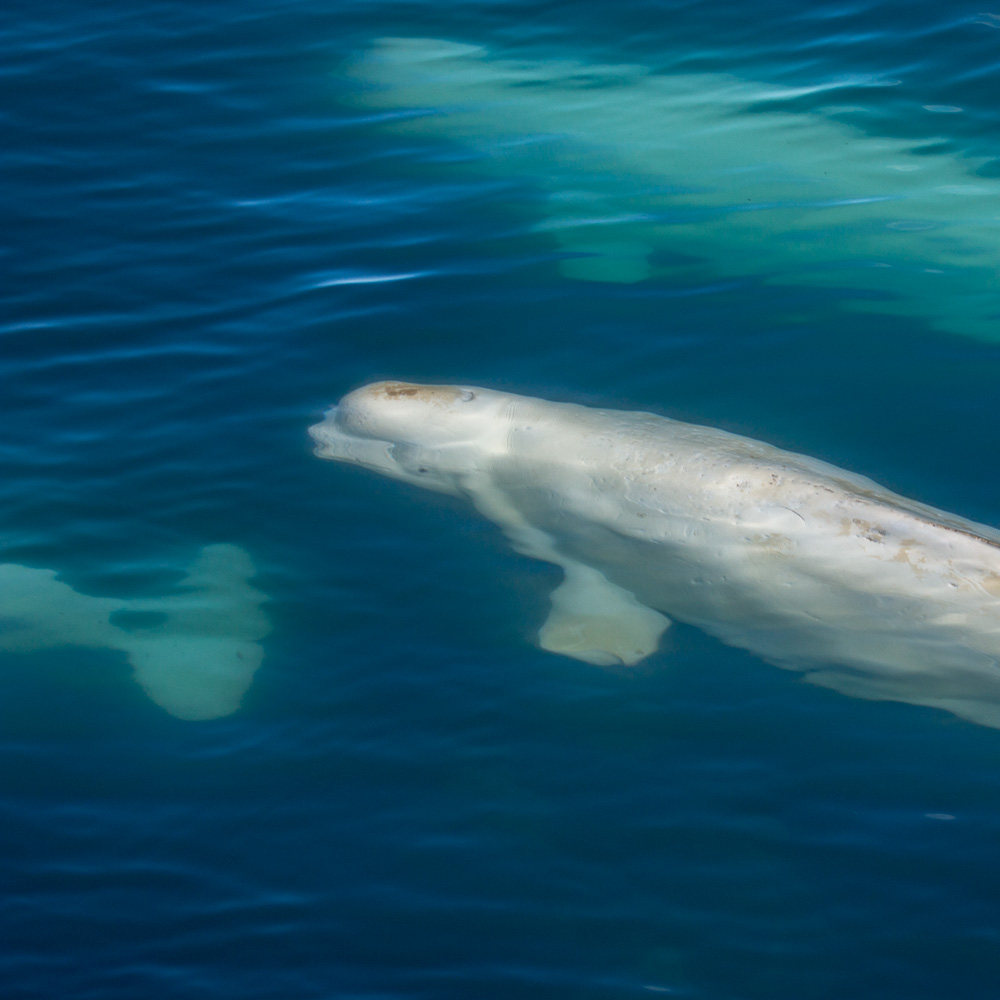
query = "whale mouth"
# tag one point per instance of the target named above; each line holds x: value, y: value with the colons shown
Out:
x: 324, y: 433
x: 332, y: 441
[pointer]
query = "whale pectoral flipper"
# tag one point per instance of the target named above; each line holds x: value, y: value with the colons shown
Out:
x: 598, y: 622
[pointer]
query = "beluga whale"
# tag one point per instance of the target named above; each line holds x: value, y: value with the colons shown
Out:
x: 680, y: 179
x: 808, y: 566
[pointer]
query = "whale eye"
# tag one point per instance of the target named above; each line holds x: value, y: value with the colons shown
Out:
x: 466, y: 395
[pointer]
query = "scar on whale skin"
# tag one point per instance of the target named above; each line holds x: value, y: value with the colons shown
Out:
x: 194, y: 652
x: 812, y: 568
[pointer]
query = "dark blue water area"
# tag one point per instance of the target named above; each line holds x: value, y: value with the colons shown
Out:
x: 206, y: 244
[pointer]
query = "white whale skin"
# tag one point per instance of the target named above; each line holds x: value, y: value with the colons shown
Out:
x: 804, y: 564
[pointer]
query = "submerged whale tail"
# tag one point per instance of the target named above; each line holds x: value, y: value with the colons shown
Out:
x: 196, y: 662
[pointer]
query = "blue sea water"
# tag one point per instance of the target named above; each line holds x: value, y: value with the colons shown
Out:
x: 207, y: 243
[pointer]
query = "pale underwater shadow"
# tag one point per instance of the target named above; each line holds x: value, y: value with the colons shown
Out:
x: 193, y: 652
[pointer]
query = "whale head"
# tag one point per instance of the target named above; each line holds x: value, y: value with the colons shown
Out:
x: 429, y: 435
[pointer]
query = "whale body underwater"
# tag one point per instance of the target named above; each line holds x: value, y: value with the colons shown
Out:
x: 808, y: 566
x: 639, y: 174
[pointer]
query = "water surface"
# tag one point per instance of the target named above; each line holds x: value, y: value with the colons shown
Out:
x: 210, y: 239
